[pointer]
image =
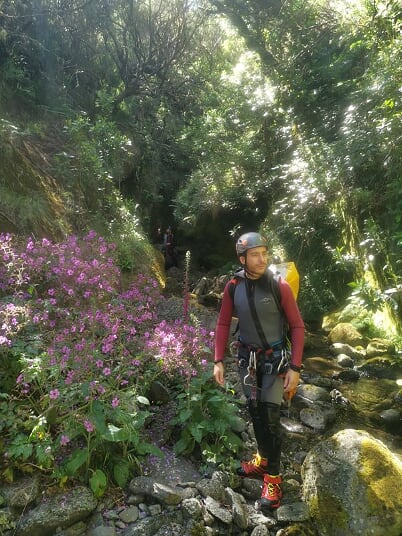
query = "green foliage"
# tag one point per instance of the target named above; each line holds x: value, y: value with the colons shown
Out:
x: 206, y: 416
x: 64, y: 425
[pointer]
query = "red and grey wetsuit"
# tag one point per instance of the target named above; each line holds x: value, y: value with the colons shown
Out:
x: 264, y: 408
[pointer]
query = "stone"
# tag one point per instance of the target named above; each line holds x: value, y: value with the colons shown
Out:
x: 317, y: 417
x: 192, y: 508
x: 345, y: 361
x: 311, y: 393
x: 392, y: 416
x: 58, y: 511
x: 379, y: 347
x: 163, y: 493
x: 130, y: 514
x: 349, y: 465
x: 19, y: 495
x: 341, y: 348
x: 217, y: 511
x: 237, y: 502
x: 292, y: 512
x: 215, y: 486
x: 346, y: 333
x: 102, y: 531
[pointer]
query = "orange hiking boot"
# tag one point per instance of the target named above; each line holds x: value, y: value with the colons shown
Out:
x: 255, y: 468
x: 271, y: 492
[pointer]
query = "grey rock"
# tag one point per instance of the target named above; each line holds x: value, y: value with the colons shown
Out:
x: 239, y: 512
x: 218, y: 511
x: 257, y: 518
x: 260, y: 530
x: 129, y: 515
x: 159, y: 491
x: 59, y: 511
x: 294, y: 512
x: 150, y: 525
x: 192, y: 508
x: 341, y: 348
x: 391, y: 415
x: 317, y: 417
x: 345, y: 361
x: 21, y: 494
x: 215, y: 486
x: 102, y: 531
x: 311, y: 393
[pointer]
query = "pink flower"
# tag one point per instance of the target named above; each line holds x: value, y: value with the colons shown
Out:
x: 64, y: 440
x: 115, y: 402
x: 53, y: 395
x: 89, y: 427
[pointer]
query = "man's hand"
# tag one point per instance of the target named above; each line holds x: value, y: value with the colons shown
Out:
x: 219, y: 372
x: 290, y: 383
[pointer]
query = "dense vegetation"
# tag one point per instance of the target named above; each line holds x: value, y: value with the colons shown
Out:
x: 213, y: 116
x: 78, y: 358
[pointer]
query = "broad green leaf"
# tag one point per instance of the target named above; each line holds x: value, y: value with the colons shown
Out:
x: 77, y: 459
x: 121, y: 473
x: 98, y: 483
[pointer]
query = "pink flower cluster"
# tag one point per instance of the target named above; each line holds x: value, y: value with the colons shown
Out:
x: 180, y: 347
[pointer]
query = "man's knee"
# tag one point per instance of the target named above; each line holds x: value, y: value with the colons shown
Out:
x: 270, y: 413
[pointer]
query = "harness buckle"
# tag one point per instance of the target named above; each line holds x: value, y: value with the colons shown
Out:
x: 268, y: 368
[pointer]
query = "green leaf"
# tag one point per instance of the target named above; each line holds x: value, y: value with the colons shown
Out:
x: 197, y: 431
x: 98, y: 483
x: 77, y: 459
x: 184, y: 445
x: 97, y: 416
x: 143, y: 400
x: 20, y: 447
x: 147, y: 448
x: 115, y: 434
x: 121, y: 472
x: 184, y: 415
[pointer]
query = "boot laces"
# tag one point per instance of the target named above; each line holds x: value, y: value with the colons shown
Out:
x: 256, y: 460
x: 272, y: 489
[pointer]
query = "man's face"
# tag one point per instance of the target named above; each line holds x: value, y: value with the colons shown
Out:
x: 256, y: 261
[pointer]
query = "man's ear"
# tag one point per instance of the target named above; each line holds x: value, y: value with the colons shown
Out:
x: 242, y: 259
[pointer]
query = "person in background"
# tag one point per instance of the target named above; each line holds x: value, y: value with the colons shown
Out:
x: 169, y: 249
x: 266, y: 372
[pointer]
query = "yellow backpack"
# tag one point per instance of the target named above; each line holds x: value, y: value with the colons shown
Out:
x: 289, y: 272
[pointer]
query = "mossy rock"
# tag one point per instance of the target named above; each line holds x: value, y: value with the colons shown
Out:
x: 352, y: 484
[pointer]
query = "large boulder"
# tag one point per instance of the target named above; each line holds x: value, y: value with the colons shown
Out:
x: 378, y: 347
x: 352, y: 484
x: 346, y: 333
x: 57, y: 512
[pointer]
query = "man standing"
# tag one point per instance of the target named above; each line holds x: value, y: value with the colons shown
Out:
x: 263, y: 306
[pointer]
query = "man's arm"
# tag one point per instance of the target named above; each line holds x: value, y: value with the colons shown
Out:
x: 222, y: 334
x: 295, y: 321
x: 296, y: 326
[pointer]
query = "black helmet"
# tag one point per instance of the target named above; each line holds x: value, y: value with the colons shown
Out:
x: 248, y: 241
